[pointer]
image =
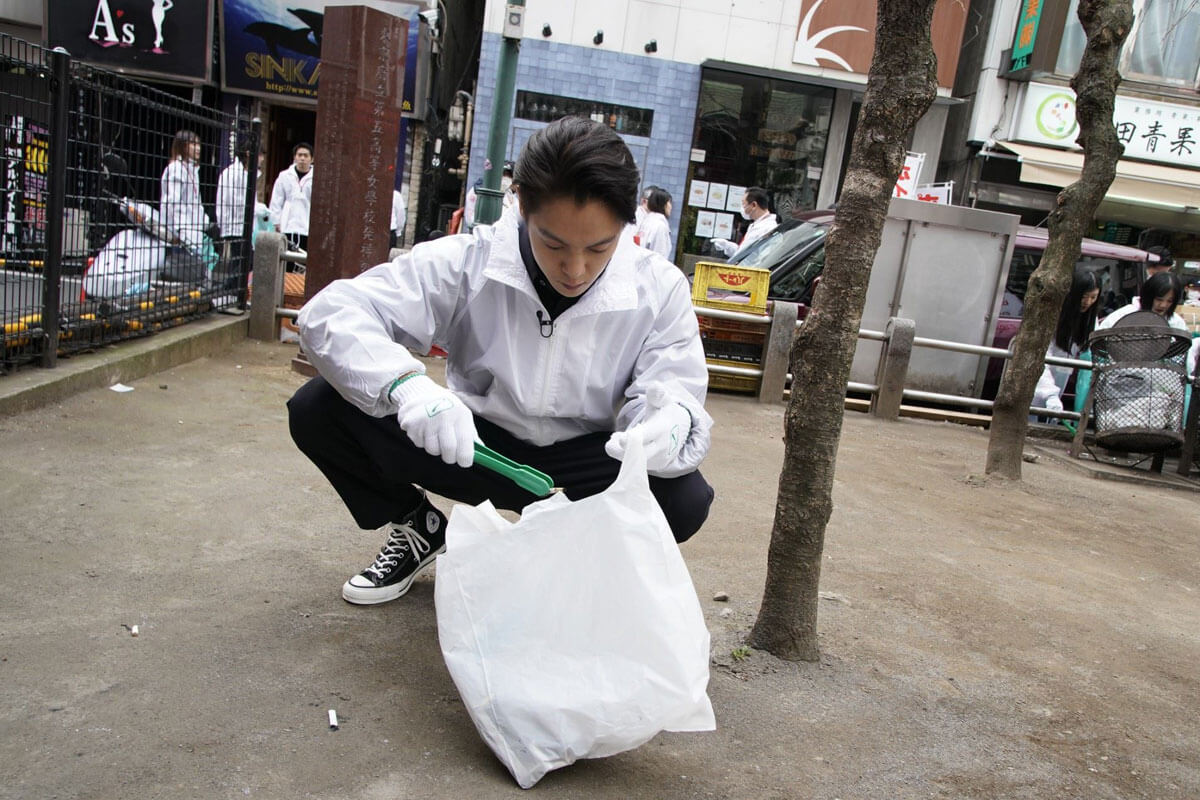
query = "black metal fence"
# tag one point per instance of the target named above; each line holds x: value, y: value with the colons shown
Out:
x: 123, y: 209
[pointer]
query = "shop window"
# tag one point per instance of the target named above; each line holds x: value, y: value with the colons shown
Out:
x: 755, y: 131
x: 1160, y: 49
x: 549, y: 107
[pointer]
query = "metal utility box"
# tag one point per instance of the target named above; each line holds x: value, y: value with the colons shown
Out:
x: 944, y: 267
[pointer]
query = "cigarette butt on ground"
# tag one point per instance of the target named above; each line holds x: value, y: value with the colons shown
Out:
x: 133, y: 630
x: 333, y: 723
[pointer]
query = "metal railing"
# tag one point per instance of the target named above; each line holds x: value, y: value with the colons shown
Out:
x: 89, y: 255
x: 885, y: 400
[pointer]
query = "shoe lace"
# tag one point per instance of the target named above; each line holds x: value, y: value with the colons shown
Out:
x: 402, y: 540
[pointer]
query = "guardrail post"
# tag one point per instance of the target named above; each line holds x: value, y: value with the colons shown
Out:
x: 893, y: 367
x: 777, y: 351
x: 269, y: 248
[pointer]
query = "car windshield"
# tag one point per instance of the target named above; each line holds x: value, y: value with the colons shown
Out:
x: 777, y: 246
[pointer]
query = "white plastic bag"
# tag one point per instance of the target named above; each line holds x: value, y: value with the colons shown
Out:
x: 575, y: 632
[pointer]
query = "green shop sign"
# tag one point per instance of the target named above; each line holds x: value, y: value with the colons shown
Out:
x: 1026, y: 35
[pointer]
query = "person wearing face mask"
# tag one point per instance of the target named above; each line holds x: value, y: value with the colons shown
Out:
x: 291, y: 197
x: 562, y: 336
x: 762, y: 222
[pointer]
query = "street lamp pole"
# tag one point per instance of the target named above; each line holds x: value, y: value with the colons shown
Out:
x: 489, y: 203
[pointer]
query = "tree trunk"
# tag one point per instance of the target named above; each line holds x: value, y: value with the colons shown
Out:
x: 901, y: 85
x: 1106, y: 23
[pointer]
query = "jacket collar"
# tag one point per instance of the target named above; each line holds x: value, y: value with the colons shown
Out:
x: 614, y: 290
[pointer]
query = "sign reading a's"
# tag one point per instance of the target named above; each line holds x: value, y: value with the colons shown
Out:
x: 171, y: 38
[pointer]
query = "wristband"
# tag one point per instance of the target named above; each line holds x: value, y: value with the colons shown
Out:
x: 406, y: 376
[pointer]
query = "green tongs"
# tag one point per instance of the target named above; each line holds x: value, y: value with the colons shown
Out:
x: 526, y: 477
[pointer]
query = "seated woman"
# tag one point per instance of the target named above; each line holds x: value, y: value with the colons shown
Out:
x: 1160, y: 293
x: 1076, y: 321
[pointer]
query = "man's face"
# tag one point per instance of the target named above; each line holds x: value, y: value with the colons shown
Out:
x: 303, y: 159
x: 572, y: 242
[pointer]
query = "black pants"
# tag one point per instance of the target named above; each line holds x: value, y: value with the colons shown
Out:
x: 373, y: 465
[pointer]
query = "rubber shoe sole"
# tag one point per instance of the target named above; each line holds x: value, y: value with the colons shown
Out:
x: 374, y: 595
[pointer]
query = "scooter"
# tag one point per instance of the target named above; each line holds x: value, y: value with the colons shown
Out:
x: 137, y: 257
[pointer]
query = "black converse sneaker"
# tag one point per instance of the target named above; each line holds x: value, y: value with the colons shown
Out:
x: 412, y: 545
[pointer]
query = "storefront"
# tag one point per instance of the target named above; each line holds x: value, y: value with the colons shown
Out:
x: 1024, y: 128
x: 711, y: 96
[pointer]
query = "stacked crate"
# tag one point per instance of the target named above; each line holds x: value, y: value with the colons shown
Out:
x: 729, y: 342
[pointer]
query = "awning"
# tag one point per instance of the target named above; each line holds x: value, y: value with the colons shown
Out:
x: 1138, y: 183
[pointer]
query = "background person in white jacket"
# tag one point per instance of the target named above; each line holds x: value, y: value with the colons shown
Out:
x: 1076, y: 321
x: 291, y: 197
x: 762, y: 222
x: 654, y: 232
x: 562, y: 335
x: 183, y: 212
x: 231, y: 208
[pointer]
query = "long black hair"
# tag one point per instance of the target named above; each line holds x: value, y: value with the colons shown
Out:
x: 1075, y: 326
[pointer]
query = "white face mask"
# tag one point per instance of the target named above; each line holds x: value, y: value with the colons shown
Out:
x: 746, y: 215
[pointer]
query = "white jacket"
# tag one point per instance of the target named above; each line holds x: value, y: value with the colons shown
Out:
x: 179, y: 203
x: 758, y: 229
x: 471, y: 295
x: 655, y: 234
x: 231, y: 200
x: 1054, y: 378
x: 291, y: 199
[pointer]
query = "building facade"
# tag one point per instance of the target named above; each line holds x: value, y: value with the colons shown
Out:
x: 1014, y: 147
x: 711, y: 96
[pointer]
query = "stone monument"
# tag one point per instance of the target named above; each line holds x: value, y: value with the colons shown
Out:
x: 358, y: 125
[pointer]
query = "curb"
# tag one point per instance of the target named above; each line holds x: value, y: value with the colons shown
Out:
x: 34, y: 387
x: 1133, y: 475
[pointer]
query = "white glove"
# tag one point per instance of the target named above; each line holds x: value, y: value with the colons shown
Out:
x: 1054, y: 403
x: 665, y: 427
x: 436, y: 420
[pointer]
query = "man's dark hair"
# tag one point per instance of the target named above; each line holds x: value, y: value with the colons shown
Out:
x: 758, y: 195
x: 578, y: 158
x: 302, y: 145
x: 646, y: 192
x: 656, y: 203
x: 1164, y: 257
x: 1161, y: 285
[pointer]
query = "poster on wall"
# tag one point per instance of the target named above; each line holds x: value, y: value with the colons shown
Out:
x: 723, y: 226
x: 716, y: 195
x: 704, y: 224
x: 698, y: 194
x: 733, y: 201
x: 171, y: 38
x: 272, y: 48
x: 23, y: 188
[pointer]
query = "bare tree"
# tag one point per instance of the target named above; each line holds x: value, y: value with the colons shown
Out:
x: 901, y: 86
x: 1106, y: 23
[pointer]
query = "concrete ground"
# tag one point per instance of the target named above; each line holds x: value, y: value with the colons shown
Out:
x: 979, y: 639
